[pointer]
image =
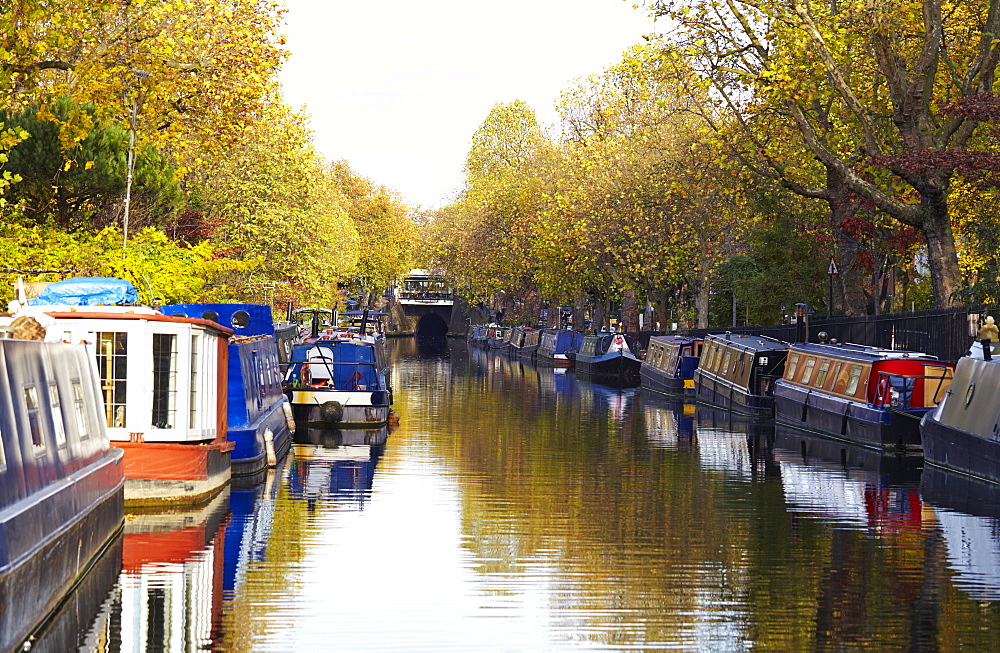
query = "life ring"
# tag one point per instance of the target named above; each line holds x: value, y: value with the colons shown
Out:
x: 880, y: 391
x: 619, y: 341
x: 305, y: 374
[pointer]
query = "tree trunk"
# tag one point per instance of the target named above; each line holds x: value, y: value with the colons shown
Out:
x: 630, y: 311
x: 579, y: 312
x: 600, y: 320
x: 942, y: 256
x: 702, y: 293
x: 682, y: 305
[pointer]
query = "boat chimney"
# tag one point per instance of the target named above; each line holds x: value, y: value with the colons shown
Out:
x: 987, y: 349
x: 288, y: 312
x: 315, y: 324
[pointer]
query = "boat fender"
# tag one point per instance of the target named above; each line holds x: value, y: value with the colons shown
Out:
x: 272, y: 458
x: 331, y: 411
x: 289, y: 416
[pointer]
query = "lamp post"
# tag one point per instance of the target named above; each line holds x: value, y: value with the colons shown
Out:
x: 139, y: 74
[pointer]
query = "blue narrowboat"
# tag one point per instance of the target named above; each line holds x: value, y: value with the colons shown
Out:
x: 607, y: 355
x: 670, y: 364
x: 61, y: 481
x: 555, y: 344
x: 866, y: 395
x: 338, y: 383
x: 258, y: 416
x: 737, y: 372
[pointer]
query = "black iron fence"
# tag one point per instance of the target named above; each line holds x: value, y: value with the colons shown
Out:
x: 945, y: 333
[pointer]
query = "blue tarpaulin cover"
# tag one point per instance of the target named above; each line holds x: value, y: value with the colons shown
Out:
x: 87, y: 291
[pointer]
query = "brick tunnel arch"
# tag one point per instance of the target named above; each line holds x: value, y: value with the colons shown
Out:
x: 431, y: 325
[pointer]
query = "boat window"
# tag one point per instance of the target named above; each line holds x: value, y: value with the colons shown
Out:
x: 112, y: 350
x: 258, y: 373
x: 840, y: 381
x: 807, y: 369
x: 193, y: 396
x: 34, y: 422
x: 792, y: 364
x: 725, y: 362
x: 211, y: 316
x: 164, y: 380
x: 80, y: 409
x: 57, y: 416
x: 241, y: 319
x: 852, y: 380
x: 824, y: 367
x: 3, y: 458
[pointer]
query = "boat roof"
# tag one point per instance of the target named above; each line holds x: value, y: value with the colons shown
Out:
x: 243, y: 319
x: 675, y: 338
x: 858, y: 352
x: 747, y: 342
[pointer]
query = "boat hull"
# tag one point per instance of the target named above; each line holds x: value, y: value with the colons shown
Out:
x: 50, y: 541
x: 659, y: 381
x: 610, y: 366
x: 262, y: 444
x: 335, y: 408
x: 715, y: 392
x: 172, y: 474
x: 960, y: 451
x: 846, y: 420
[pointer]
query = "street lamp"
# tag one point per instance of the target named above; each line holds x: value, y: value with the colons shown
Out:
x: 140, y: 75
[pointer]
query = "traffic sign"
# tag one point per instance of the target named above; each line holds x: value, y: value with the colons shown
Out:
x: 833, y: 267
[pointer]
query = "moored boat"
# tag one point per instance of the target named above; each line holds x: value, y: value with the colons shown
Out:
x: 737, y: 372
x: 866, y: 395
x: 670, y: 364
x: 163, y: 381
x: 339, y: 383
x: 61, y: 481
x: 259, y: 416
x: 555, y: 344
x: 961, y: 434
x: 499, y: 337
x: 607, y: 355
x: 524, y: 342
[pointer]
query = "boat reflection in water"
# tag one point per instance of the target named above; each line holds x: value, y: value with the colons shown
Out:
x: 598, y: 398
x: 336, y: 465
x: 251, y: 520
x: 848, y: 485
x: 731, y: 443
x: 968, y: 514
x: 82, y: 621
x: 170, y: 590
x: 669, y: 422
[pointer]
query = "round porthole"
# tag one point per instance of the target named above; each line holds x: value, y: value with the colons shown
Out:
x: 179, y: 314
x: 210, y: 315
x: 969, y: 394
x: 241, y: 319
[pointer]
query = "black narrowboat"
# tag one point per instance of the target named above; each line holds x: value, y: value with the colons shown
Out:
x: 737, y: 372
x: 607, y: 355
x: 670, y: 364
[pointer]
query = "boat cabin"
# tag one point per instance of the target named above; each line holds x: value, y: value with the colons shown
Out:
x: 675, y: 356
x: 750, y: 363
x: 879, y: 377
x: 336, y: 364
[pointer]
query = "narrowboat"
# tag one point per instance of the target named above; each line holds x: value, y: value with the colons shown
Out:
x: 258, y: 416
x: 555, y: 344
x: 607, y: 355
x: 866, y: 395
x: 524, y: 342
x: 163, y: 382
x: 61, y: 481
x: 499, y: 338
x: 670, y: 364
x: 337, y: 383
x: 963, y: 433
x: 737, y: 372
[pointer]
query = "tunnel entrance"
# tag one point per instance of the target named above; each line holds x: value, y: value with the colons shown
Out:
x: 432, y: 325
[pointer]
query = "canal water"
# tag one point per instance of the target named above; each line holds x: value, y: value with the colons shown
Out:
x: 521, y: 508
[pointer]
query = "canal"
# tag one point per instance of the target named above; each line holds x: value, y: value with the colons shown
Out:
x: 518, y: 508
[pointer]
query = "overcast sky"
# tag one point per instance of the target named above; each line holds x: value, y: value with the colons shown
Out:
x: 397, y: 87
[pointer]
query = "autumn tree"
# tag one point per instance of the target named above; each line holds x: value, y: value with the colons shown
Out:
x: 863, y: 87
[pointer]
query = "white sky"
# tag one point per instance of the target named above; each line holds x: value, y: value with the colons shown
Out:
x: 397, y: 87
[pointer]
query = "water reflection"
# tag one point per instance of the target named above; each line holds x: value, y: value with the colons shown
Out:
x: 967, y: 512
x: 336, y: 465
x: 524, y: 508
x: 848, y: 485
x: 170, y: 592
